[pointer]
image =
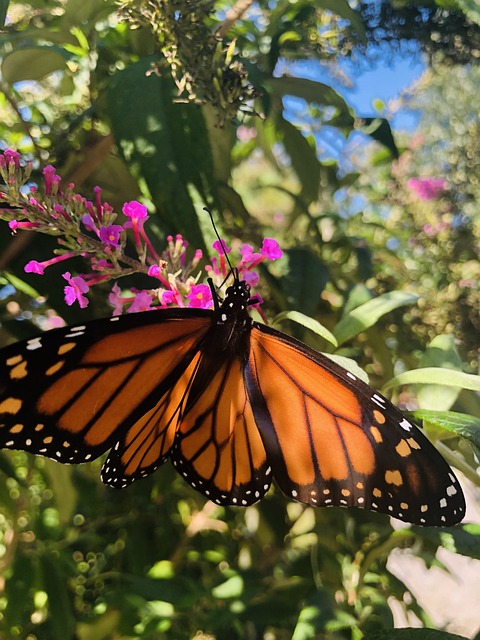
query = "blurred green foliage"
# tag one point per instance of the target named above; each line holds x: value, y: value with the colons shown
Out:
x: 85, y: 91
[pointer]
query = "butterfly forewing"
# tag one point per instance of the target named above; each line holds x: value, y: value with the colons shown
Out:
x: 71, y: 393
x: 332, y: 440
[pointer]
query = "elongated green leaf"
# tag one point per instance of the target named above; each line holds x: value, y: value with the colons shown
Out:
x: 303, y: 157
x: 432, y: 375
x: 309, y: 90
x: 441, y: 352
x: 379, y: 129
x: 460, y: 423
x: 367, y: 314
x: 413, y: 634
x: 349, y: 365
x: 306, y: 321
x: 21, y: 285
x: 471, y: 9
x: 60, y: 622
x: 3, y: 11
x: 33, y: 63
x: 165, y: 144
x: 306, y: 279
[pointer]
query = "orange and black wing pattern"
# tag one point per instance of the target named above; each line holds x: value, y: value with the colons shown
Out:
x: 333, y: 441
x: 73, y: 393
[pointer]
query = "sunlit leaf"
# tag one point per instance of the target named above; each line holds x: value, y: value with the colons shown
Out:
x: 367, y: 314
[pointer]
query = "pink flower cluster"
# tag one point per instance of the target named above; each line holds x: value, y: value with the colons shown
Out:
x: 90, y: 230
x: 427, y: 188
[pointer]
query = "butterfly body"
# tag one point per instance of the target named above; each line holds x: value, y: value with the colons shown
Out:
x: 232, y: 403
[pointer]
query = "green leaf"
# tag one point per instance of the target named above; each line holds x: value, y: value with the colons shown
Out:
x: 460, y: 423
x: 462, y: 539
x: 471, y: 9
x: 61, y: 621
x: 344, y: 10
x: 431, y: 375
x: 306, y: 279
x: 412, y: 634
x: 21, y: 285
x: 367, y: 314
x: 164, y: 144
x: 65, y: 493
x: 305, y: 321
x: 379, y: 129
x: 33, y: 63
x: 304, y: 159
x: 309, y: 90
x: 3, y: 11
x: 441, y: 352
x: 231, y: 588
x: 349, y: 365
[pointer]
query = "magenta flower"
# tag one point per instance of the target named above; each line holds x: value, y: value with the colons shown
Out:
x: 200, y: 297
x: 142, y: 302
x: 111, y: 235
x: 15, y: 224
x: 75, y: 290
x: 248, y: 255
x: 116, y: 300
x: 221, y: 247
x: 89, y: 223
x: 10, y: 156
x: 271, y: 249
x: 135, y: 211
x: 251, y: 277
x: 51, y: 179
x: 427, y: 188
x: 34, y: 267
x: 167, y: 297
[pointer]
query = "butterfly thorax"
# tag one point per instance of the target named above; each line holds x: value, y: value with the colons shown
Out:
x: 232, y: 321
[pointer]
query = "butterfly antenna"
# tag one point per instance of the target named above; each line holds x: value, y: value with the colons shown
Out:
x: 222, y: 244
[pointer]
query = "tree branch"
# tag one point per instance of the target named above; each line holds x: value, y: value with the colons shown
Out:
x: 234, y: 14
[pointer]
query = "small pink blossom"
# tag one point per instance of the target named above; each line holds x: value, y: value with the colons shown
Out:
x: 221, y: 247
x: 75, y: 290
x: 11, y: 157
x: 427, y: 188
x: 248, y: 255
x: 167, y: 297
x: 135, y: 211
x: 271, y: 249
x: 142, y: 302
x: 89, y: 223
x: 111, y: 235
x: 251, y: 277
x: 115, y: 299
x: 50, y: 178
x: 200, y: 297
x: 154, y: 271
x: 34, y: 267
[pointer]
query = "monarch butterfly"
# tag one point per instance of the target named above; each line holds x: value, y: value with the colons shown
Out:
x: 232, y: 403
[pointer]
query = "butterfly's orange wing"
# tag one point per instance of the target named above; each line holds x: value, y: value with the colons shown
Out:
x: 73, y: 393
x: 218, y: 448
x: 332, y: 440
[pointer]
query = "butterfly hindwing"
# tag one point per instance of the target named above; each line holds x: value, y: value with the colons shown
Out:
x: 218, y: 448
x: 332, y: 440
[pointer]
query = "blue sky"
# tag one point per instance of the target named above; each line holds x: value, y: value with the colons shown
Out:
x: 385, y: 81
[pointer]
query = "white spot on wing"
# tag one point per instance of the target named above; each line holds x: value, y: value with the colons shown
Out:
x: 34, y: 343
x: 405, y: 424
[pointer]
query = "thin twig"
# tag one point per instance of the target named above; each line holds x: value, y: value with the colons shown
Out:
x: 234, y: 14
